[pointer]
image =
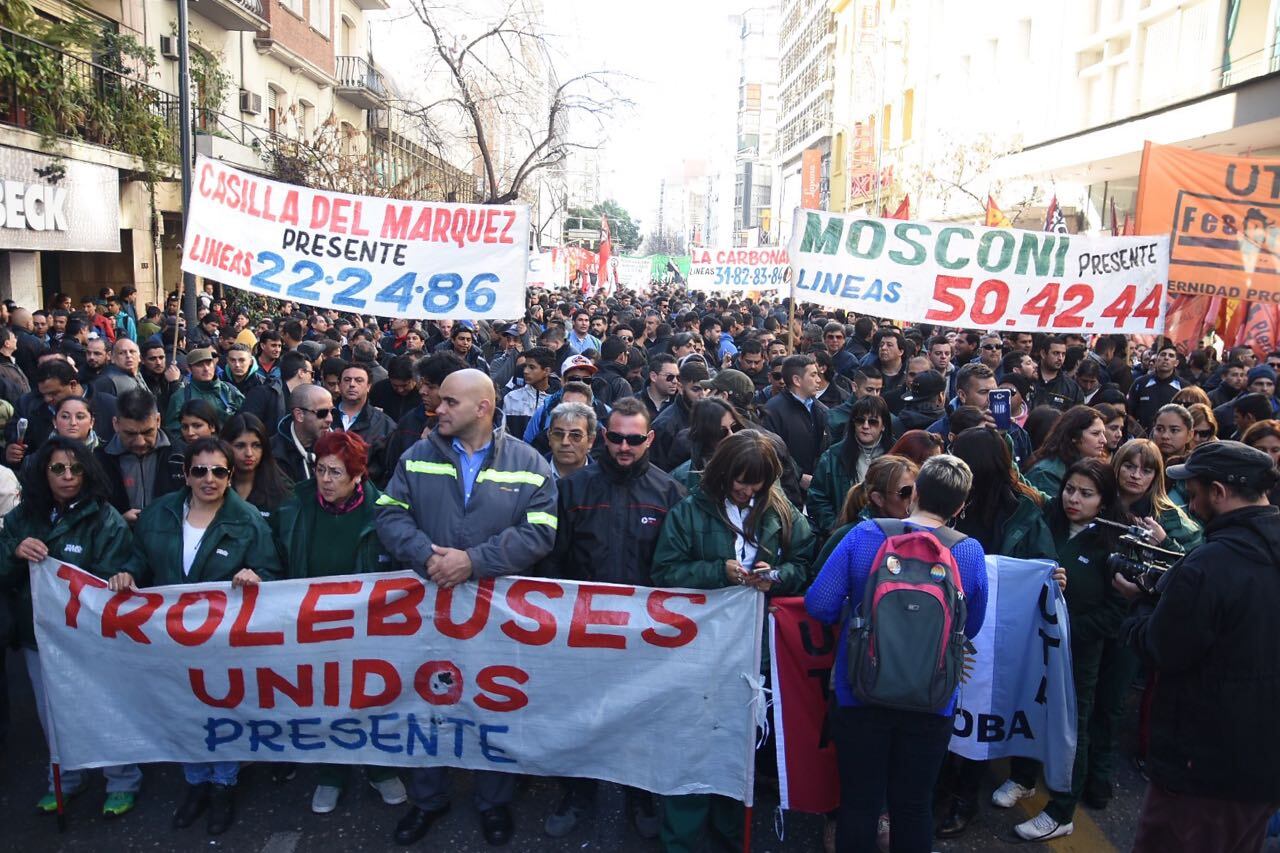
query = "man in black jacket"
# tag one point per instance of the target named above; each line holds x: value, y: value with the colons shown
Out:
x: 797, y: 416
x: 609, y: 518
x: 1213, y: 639
x: 610, y: 383
x: 1157, y: 388
x: 675, y: 417
x: 140, y: 461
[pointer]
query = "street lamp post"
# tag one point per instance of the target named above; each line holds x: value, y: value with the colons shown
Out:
x: 188, y: 307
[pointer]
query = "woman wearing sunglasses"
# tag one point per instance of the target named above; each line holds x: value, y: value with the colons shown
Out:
x: 65, y: 513
x: 1204, y: 425
x: 203, y: 533
x: 711, y: 421
x: 735, y: 528
x: 867, y: 437
x: 326, y: 529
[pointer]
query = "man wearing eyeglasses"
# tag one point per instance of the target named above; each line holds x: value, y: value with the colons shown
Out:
x: 570, y: 435
x: 311, y: 415
x: 609, y: 517
x: 991, y: 352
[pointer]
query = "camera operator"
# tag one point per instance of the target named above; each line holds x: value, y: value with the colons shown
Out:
x: 1213, y: 638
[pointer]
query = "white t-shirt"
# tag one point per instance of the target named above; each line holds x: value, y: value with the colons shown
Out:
x: 191, y: 537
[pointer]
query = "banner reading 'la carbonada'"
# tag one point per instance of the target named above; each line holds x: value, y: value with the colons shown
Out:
x: 367, y: 255
x: 1003, y: 279
x: 653, y: 688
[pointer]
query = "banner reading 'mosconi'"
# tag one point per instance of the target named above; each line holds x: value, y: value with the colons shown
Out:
x: 644, y: 687
x: 987, y: 278
x: 393, y: 258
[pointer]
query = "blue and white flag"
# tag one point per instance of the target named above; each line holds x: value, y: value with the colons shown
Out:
x: 1021, y: 700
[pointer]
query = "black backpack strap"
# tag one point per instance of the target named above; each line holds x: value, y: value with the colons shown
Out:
x: 948, y: 536
x: 891, y: 526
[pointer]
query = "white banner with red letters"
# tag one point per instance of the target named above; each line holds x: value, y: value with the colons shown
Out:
x: 383, y: 256
x: 763, y: 268
x: 1002, y: 279
x: 653, y: 688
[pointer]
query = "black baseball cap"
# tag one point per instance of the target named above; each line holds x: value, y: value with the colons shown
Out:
x: 927, y: 385
x: 1229, y: 462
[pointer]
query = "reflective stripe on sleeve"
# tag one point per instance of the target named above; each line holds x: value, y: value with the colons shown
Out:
x: 417, y: 466
x: 386, y: 500
x: 530, y: 477
x: 541, y: 518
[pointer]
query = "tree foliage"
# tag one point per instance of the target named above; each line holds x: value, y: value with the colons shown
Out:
x: 664, y: 242
x: 624, y: 230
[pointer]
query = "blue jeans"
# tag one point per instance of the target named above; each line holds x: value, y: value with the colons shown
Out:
x: 218, y: 772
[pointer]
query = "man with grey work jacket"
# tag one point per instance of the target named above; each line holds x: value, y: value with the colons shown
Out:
x: 477, y: 503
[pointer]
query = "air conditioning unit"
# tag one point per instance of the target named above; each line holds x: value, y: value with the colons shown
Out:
x: 250, y: 102
x: 169, y: 47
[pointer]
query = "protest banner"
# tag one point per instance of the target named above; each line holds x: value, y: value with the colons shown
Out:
x: 519, y: 675
x: 383, y: 256
x: 1019, y: 698
x: 988, y: 278
x: 547, y: 269
x: 801, y: 650
x: 635, y: 273
x: 1223, y: 213
x: 737, y: 269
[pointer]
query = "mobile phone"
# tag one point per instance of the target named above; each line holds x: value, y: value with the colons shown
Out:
x: 998, y: 402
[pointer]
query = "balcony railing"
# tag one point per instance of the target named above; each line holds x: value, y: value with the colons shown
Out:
x: 360, y: 82
x: 58, y: 94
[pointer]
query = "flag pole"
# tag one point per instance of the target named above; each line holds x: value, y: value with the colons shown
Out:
x: 746, y: 831
x: 58, y: 798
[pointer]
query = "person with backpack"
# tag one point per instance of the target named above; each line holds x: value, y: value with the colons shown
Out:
x: 892, y: 721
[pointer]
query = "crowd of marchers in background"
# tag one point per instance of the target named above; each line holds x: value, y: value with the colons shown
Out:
x: 770, y: 441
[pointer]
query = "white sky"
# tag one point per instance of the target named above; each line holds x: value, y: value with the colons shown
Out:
x: 679, y: 54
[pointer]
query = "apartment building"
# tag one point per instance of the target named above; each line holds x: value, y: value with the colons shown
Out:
x: 757, y: 116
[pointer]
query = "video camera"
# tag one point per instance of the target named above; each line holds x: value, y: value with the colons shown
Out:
x: 1138, y: 560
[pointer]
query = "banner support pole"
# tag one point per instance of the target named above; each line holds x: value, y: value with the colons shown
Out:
x: 791, y: 317
x: 58, y: 798
x: 746, y: 831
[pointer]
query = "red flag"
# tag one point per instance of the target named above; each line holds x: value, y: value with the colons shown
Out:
x: 1054, y: 220
x: 904, y: 209
x: 1259, y: 329
x: 995, y: 216
x: 606, y: 249
x: 884, y: 211
x: 1126, y: 230
x: 1185, y: 319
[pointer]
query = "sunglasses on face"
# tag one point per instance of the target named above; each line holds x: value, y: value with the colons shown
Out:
x: 726, y: 431
x: 991, y: 346
x: 220, y: 472
x: 905, y: 492
x: 866, y: 421
x: 634, y: 439
x: 1204, y: 434
x: 57, y: 469
x: 577, y: 377
x: 320, y: 414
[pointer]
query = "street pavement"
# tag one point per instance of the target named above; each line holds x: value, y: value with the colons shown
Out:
x: 275, y: 818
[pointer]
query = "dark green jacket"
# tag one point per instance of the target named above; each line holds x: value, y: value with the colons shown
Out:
x: 1184, y: 534
x: 827, y: 490
x: 695, y: 544
x: 1026, y: 535
x: 92, y: 535
x: 224, y: 396
x: 1095, y: 607
x: 1047, y: 476
x: 296, y: 519
x: 237, y: 539
x: 686, y: 476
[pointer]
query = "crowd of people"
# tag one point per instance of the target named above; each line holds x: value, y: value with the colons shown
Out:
x: 673, y: 439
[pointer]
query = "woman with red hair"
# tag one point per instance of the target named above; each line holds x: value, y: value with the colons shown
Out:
x: 917, y: 445
x: 325, y: 529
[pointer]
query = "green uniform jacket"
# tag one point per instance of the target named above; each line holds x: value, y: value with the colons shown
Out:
x: 92, y: 535
x: 1095, y: 607
x: 695, y: 543
x: 237, y: 539
x: 828, y: 488
x: 295, y: 522
x: 1026, y: 534
x: 686, y: 476
x: 225, y: 397
x: 1184, y: 533
x: 1047, y: 476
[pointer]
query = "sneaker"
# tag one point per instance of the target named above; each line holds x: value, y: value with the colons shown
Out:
x: 49, y: 802
x: 1009, y: 793
x: 325, y: 799
x: 562, y: 821
x: 119, y: 803
x: 1042, y: 828
x: 391, y: 790
x: 882, y: 833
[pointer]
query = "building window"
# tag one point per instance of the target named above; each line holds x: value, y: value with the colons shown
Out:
x: 273, y: 109
x: 320, y: 16
x: 294, y: 6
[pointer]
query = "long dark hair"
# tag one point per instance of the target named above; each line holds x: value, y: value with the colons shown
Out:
x: 1103, y: 477
x: 1061, y: 441
x: 704, y: 428
x: 37, y: 497
x: 995, y: 490
x: 747, y: 457
x: 270, y: 486
x: 864, y: 407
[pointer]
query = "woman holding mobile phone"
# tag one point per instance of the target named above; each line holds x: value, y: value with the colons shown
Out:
x: 736, y: 528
